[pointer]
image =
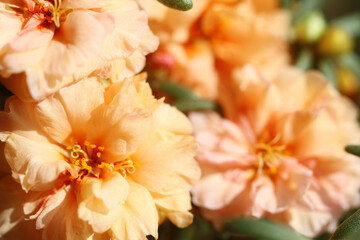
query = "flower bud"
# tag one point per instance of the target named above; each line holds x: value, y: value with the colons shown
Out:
x: 311, y: 28
x: 335, y: 42
x: 347, y: 81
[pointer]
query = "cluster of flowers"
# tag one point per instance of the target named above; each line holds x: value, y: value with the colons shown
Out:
x: 80, y: 159
x: 277, y: 149
x: 88, y: 153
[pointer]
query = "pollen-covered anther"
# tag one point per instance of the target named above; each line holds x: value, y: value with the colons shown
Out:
x: 86, y: 158
x: 125, y: 167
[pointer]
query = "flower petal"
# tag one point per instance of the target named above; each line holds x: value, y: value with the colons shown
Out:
x: 10, y: 24
x: 119, y: 132
x: 86, y: 4
x: 78, y: 38
x: 176, y: 208
x: 11, y: 196
x: 125, y: 38
x: 169, y: 167
x: 215, y: 191
x: 34, y: 85
x: 52, y: 117
x: 311, y: 222
x: 37, y: 164
x: 60, y: 212
x: 25, y: 39
x: 79, y: 106
x: 138, y: 218
x: 100, y: 200
x: 20, y: 119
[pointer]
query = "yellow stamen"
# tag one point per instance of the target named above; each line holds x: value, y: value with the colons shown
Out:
x: 105, y: 165
x: 268, y: 154
x: 84, y: 164
x: 101, y: 148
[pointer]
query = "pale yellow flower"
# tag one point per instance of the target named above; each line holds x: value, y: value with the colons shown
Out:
x: 279, y: 152
x: 47, y: 45
x: 99, y: 163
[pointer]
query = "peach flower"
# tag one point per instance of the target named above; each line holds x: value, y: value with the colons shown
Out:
x: 47, y: 44
x: 173, y: 26
x: 279, y: 153
x: 97, y: 163
x: 231, y: 33
x: 191, y: 65
x: 247, y: 31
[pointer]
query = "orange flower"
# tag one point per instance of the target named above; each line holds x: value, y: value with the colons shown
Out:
x: 279, y: 153
x: 100, y: 163
x: 49, y: 44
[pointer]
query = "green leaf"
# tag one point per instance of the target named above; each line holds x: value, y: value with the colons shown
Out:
x: 176, y: 90
x: 328, y: 68
x: 305, y: 59
x: 261, y: 229
x: 186, y: 105
x: 347, y: 214
x: 349, y: 229
x: 324, y: 236
x: 351, y: 61
x: 353, y: 149
x: 350, y: 23
x: 182, y: 5
x: 198, y: 230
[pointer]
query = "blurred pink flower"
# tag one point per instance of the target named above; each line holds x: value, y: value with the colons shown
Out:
x: 49, y: 44
x: 279, y: 153
x: 98, y: 163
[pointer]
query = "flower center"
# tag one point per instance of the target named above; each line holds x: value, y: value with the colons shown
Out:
x: 47, y: 12
x: 86, y: 161
x: 268, y: 154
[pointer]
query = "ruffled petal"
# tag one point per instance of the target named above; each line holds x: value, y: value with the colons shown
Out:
x: 20, y: 119
x: 37, y: 165
x: 119, y: 132
x: 138, y: 218
x: 176, y: 208
x: 169, y: 167
x: 52, y: 118
x: 78, y: 38
x: 100, y: 200
x: 79, y: 106
x: 60, y: 212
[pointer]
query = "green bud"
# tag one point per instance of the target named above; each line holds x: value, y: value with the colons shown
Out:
x: 311, y: 28
x: 182, y: 5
